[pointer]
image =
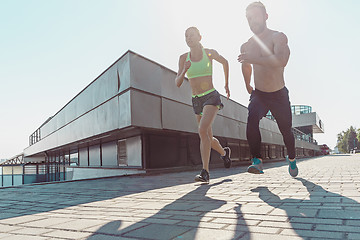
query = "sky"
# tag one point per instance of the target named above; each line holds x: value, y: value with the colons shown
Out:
x: 51, y: 50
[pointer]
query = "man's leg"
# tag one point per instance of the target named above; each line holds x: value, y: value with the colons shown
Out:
x: 257, y: 110
x: 281, y: 110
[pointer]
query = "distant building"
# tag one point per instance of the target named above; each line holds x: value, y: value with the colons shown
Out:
x: 305, y: 122
x: 133, y: 119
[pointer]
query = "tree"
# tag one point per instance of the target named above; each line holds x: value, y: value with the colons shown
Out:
x: 349, y: 140
x: 352, y: 141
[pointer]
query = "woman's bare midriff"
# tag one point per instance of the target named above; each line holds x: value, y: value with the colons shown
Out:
x: 201, y: 84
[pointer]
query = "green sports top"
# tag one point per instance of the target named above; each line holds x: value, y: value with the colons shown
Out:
x: 201, y: 68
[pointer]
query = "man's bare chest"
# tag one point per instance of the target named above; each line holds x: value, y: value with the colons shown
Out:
x: 261, y: 48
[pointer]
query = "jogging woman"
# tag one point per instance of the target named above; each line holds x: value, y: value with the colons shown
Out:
x: 197, y: 64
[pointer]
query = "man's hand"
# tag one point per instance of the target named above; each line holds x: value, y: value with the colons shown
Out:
x: 245, y: 58
x: 249, y: 88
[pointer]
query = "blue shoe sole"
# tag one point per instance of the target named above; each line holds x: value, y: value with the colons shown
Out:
x: 293, y: 172
x: 254, y: 170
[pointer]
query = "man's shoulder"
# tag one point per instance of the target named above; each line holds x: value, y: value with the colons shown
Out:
x: 277, y: 35
x: 245, y: 45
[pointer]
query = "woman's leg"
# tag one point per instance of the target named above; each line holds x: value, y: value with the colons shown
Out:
x: 206, y: 140
x: 215, y: 144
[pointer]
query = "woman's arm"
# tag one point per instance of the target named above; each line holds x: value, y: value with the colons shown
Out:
x: 216, y: 56
x: 183, y: 67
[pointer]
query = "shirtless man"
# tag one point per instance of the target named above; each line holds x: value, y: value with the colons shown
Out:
x: 267, y: 52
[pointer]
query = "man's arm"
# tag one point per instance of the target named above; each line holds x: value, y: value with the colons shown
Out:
x: 246, y: 71
x: 279, y: 58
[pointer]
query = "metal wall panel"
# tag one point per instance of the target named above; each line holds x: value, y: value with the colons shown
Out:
x: 145, y: 75
x: 225, y: 127
x: 306, y: 119
x: 103, y: 119
x: 134, y: 151
x: 109, y: 154
x: 171, y: 91
x: 234, y: 110
x: 83, y: 156
x: 124, y: 110
x: 271, y: 137
x: 178, y: 116
x: 107, y: 85
x: 94, y: 156
x: 123, y: 72
x: 145, y: 110
x: 306, y: 145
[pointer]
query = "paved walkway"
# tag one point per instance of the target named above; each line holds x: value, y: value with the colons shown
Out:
x: 322, y: 203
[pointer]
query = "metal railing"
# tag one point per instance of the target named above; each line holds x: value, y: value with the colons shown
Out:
x: 302, y: 136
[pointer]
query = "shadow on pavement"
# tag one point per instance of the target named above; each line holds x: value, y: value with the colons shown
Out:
x: 328, y: 210
x: 34, y: 199
x: 179, y: 219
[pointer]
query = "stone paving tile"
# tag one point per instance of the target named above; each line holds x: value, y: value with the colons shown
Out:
x: 117, y: 228
x: 3, y: 235
x: 318, y: 234
x: 78, y: 225
x: 23, y: 237
x: 286, y: 225
x: 352, y: 222
x: 157, y: 231
x: 354, y: 236
x: 295, y: 212
x: 266, y: 217
x: 339, y: 214
x: 316, y: 220
x: 67, y: 234
x: 210, y: 234
x: 258, y: 236
x: 106, y: 237
x: 48, y: 222
x: 8, y: 228
x: 338, y: 228
x: 31, y: 231
x: 197, y: 224
x: 234, y: 221
x: 191, y: 218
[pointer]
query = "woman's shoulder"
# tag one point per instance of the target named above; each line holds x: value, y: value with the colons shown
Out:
x: 210, y: 52
x: 183, y: 56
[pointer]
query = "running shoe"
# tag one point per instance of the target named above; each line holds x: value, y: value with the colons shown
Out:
x: 256, y: 167
x: 226, y: 158
x: 293, y: 169
x: 202, y: 177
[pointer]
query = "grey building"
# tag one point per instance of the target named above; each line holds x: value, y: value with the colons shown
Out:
x: 132, y: 119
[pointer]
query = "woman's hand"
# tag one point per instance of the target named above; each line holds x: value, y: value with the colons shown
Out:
x: 227, y: 91
x: 187, y: 65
